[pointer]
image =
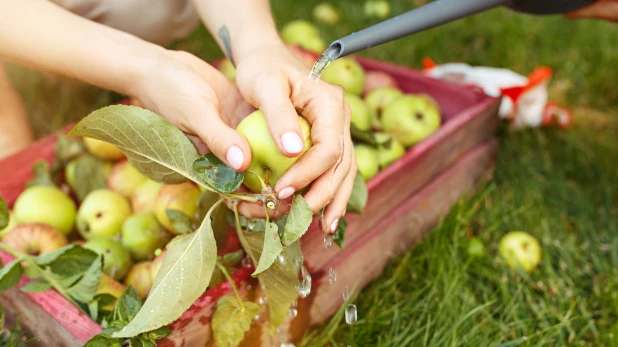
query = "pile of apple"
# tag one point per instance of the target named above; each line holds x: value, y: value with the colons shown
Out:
x: 385, y: 120
x: 126, y: 222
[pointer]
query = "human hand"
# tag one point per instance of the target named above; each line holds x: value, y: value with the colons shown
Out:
x: 601, y: 9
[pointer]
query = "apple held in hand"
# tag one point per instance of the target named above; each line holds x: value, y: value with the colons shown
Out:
x: 35, y: 239
x: 347, y: 73
x: 304, y: 34
x: 145, y: 196
x: 102, y: 214
x: 388, y: 154
x: 47, y: 205
x: 142, y: 235
x: 182, y: 197
x: 102, y: 149
x: 140, y: 278
x: 379, y: 98
x: 520, y: 249
x: 367, y: 160
x: 124, y: 178
x: 411, y: 118
x: 265, y: 155
x: 362, y: 116
x: 116, y: 259
x: 112, y: 287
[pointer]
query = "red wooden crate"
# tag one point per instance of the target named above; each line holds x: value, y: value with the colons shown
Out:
x: 469, y: 120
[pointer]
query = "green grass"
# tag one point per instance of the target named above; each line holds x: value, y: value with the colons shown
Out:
x: 559, y: 186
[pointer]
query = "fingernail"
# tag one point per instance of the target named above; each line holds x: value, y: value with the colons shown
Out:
x: 235, y: 157
x: 286, y: 193
x: 291, y: 142
x: 333, y: 227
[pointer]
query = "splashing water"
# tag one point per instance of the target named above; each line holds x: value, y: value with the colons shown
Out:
x: 304, y: 289
x: 350, y: 314
x: 332, y: 276
x: 346, y: 293
x: 323, y: 61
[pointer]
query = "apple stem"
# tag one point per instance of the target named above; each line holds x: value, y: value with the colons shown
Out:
x: 260, y: 178
x: 231, y: 281
x: 245, y: 197
x: 241, y: 235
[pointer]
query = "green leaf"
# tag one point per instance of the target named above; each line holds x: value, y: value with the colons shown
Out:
x: 365, y: 136
x: 272, y: 249
x: 86, y: 287
x: 231, y: 321
x: 10, y: 274
x: 184, y: 276
x: 128, y: 306
x: 233, y: 258
x: 68, y: 260
x: 105, y: 299
x: 180, y: 221
x: 340, y: 232
x: 147, y: 343
x: 4, y: 214
x: 89, y: 175
x: 36, y: 286
x: 68, y: 148
x: 298, y: 221
x: 217, y: 175
x: 93, y: 308
x: 41, y: 175
x: 158, y: 333
x: 218, y: 217
x: 279, y: 281
x: 101, y: 340
x: 359, y: 196
x: 154, y: 146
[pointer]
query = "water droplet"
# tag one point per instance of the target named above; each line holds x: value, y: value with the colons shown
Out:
x: 304, y: 289
x: 256, y: 317
x: 246, y: 262
x: 263, y: 300
x: 287, y: 344
x: 346, y: 294
x: 281, y: 259
x: 152, y: 311
x: 294, y: 304
x: 251, y: 224
x: 332, y: 276
x: 350, y: 314
x: 328, y: 241
x: 293, y: 312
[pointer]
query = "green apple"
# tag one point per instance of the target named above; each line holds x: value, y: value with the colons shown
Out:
x: 47, y: 205
x: 103, y: 150
x: 102, y: 214
x: 378, y: 79
x: 476, y: 248
x: 144, y: 197
x: 380, y: 9
x: 112, y: 287
x: 125, y: 178
x: 387, y: 156
x: 367, y: 160
x: 326, y: 13
x: 265, y: 154
x: 362, y: 116
x: 116, y: 259
x: 227, y: 69
x: 182, y: 197
x: 411, y: 118
x: 347, y: 73
x: 140, y: 278
x: 142, y: 235
x: 304, y: 34
x: 379, y: 98
x: 156, y: 266
x: 35, y: 238
x: 518, y: 248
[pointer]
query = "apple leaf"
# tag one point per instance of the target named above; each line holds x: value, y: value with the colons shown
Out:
x: 4, y: 214
x: 359, y: 196
x: 217, y: 175
x: 154, y: 146
x: 36, y: 286
x: 86, y: 287
x: 184, y: 276
x: 298, y: 220
x: 41, y: 175
x: 218, y: 217
x: 339, y: 235
x: 233, y: 258
x: 366, y: 136
x: 279, y: 281
x: 10, y: 274
x: 232, y: 320
x: 272, y: 249
x: 128, y: 305
x: 89, y: 175
x: 180, y: 221
x: 68, y: 260
x: 67, y: 148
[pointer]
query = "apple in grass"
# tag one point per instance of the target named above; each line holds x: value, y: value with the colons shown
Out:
x: 304, y: 34
x: 347, y: 73
x: 144, y: 197
x: 367, y: 160
x: 140, y: 277
x: 265, y: 155
x: 142, y: 235
x: 102, y: 149
x: 362, y: 116
x: 124, y: 178
x: 116, y: 259
x: 47, y: 205
x: 35, y: 238
x: 411, y: 118
x: 378, y: 79
x: 102, y: 214
x: 326, y: 13
x: 182, y: 197
x: 379, y: 9
x: 520, y: 249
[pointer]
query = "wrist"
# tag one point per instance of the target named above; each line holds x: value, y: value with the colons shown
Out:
x: 247, y: 44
